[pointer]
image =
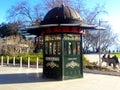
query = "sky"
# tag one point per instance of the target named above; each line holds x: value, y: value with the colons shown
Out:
x: 111, y: 6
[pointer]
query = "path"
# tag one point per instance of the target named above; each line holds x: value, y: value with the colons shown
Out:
x: 14, y: 78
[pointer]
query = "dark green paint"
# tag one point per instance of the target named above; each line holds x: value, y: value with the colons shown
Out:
x: 63, y: 58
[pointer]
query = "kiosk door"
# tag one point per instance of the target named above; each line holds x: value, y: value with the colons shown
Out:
x: 72, y: 59
x: 52, y: 57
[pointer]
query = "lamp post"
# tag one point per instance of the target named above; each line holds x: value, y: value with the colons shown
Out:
x: 100, y: 28
x: 99, y: 47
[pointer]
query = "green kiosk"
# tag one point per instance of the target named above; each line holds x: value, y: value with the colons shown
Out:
x: 62, y: 29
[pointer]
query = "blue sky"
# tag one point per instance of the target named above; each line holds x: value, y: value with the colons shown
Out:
x: 111, y: 7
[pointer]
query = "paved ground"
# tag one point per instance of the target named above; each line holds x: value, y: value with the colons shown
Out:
x: 14, y: 78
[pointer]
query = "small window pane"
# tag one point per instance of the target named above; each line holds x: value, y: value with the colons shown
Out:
x: 69, y: 47
x: 74, y: 48
x: 50, y: 48
x: 71, y: 37
x: 58, y: 37
x: 54, y: 48
x: 46, y: 38
x: 65, y: 47
x: 78, y: 47
x: 59, y: 48
x: 46, y: 48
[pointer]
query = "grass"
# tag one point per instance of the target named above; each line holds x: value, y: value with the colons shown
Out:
x: 117, y: 54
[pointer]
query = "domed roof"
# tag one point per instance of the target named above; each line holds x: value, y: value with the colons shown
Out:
x: 62, y: 15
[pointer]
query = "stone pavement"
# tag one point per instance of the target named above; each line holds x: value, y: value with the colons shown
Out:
x: 15, y: 78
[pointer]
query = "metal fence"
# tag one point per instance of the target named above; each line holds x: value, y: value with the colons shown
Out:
x: 20, y: 64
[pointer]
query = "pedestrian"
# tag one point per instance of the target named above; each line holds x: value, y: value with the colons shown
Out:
x: 108, y: 59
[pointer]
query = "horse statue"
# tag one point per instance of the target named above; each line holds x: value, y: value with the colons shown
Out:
x: 113, y: 60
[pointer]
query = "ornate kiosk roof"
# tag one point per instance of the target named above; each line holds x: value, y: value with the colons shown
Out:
x: 60, y: 17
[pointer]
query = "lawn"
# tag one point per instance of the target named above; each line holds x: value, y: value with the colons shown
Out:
x: 117, y: 54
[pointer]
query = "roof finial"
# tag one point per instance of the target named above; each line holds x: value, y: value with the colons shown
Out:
x: 62, y: 2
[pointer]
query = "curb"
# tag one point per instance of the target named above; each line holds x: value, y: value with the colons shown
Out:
x: 102, y: 72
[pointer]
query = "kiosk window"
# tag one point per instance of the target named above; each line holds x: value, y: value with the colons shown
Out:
x: 46, y: 48
x: 71, y: 37
x: 65, y: 47
x: 69, y: 47
x: 50, y: 48
x: 54, y: 47
x: 46, y: 38
x: 53, y: 44
x: 58, y: 37
x: 74, y: 48
x: 58, y: 48
x: 78, y: 47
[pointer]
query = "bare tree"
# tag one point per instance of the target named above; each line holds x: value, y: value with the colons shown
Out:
x: 107, y: 38
x: 91, y: 16
x: 95, y: 40
x: 23, y: 12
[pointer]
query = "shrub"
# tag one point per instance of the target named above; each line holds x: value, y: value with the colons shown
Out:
x: 87, y: 64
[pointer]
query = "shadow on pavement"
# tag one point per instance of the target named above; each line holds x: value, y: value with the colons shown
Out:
x: 22, y: 78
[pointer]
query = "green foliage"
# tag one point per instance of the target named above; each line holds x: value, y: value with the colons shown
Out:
x: 89, y: 65
x: 37, y: 49
x: 8, y: 29
x: 24, y: 58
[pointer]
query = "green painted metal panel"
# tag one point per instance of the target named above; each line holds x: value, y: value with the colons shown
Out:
x: 72, y: 67
x: 72, y: 60
x: 62, y: 57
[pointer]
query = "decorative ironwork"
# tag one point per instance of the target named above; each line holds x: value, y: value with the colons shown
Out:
x: 52, y: 64
x: 72, y: 64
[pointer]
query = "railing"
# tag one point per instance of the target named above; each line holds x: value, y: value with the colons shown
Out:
x: 20, y: 62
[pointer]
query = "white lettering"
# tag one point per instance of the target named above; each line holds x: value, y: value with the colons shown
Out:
x: 52, y: 58
x: 72, y: 58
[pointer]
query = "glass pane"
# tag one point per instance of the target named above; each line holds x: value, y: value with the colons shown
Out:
x: 58, y: 48
x: 58, y: 37
x: 50, y: 48
x: 76, y: 37
x: 65, y: 47
x: 54, y: 48
x: 78, y: 47
x: 50, y: 37
x: 53, y: 37
x: 74, y: 48
x: 65, y: 37
x: 71, y: 37
x: 46, y: 48
x: 69, y: 47
x: 46, y: 38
